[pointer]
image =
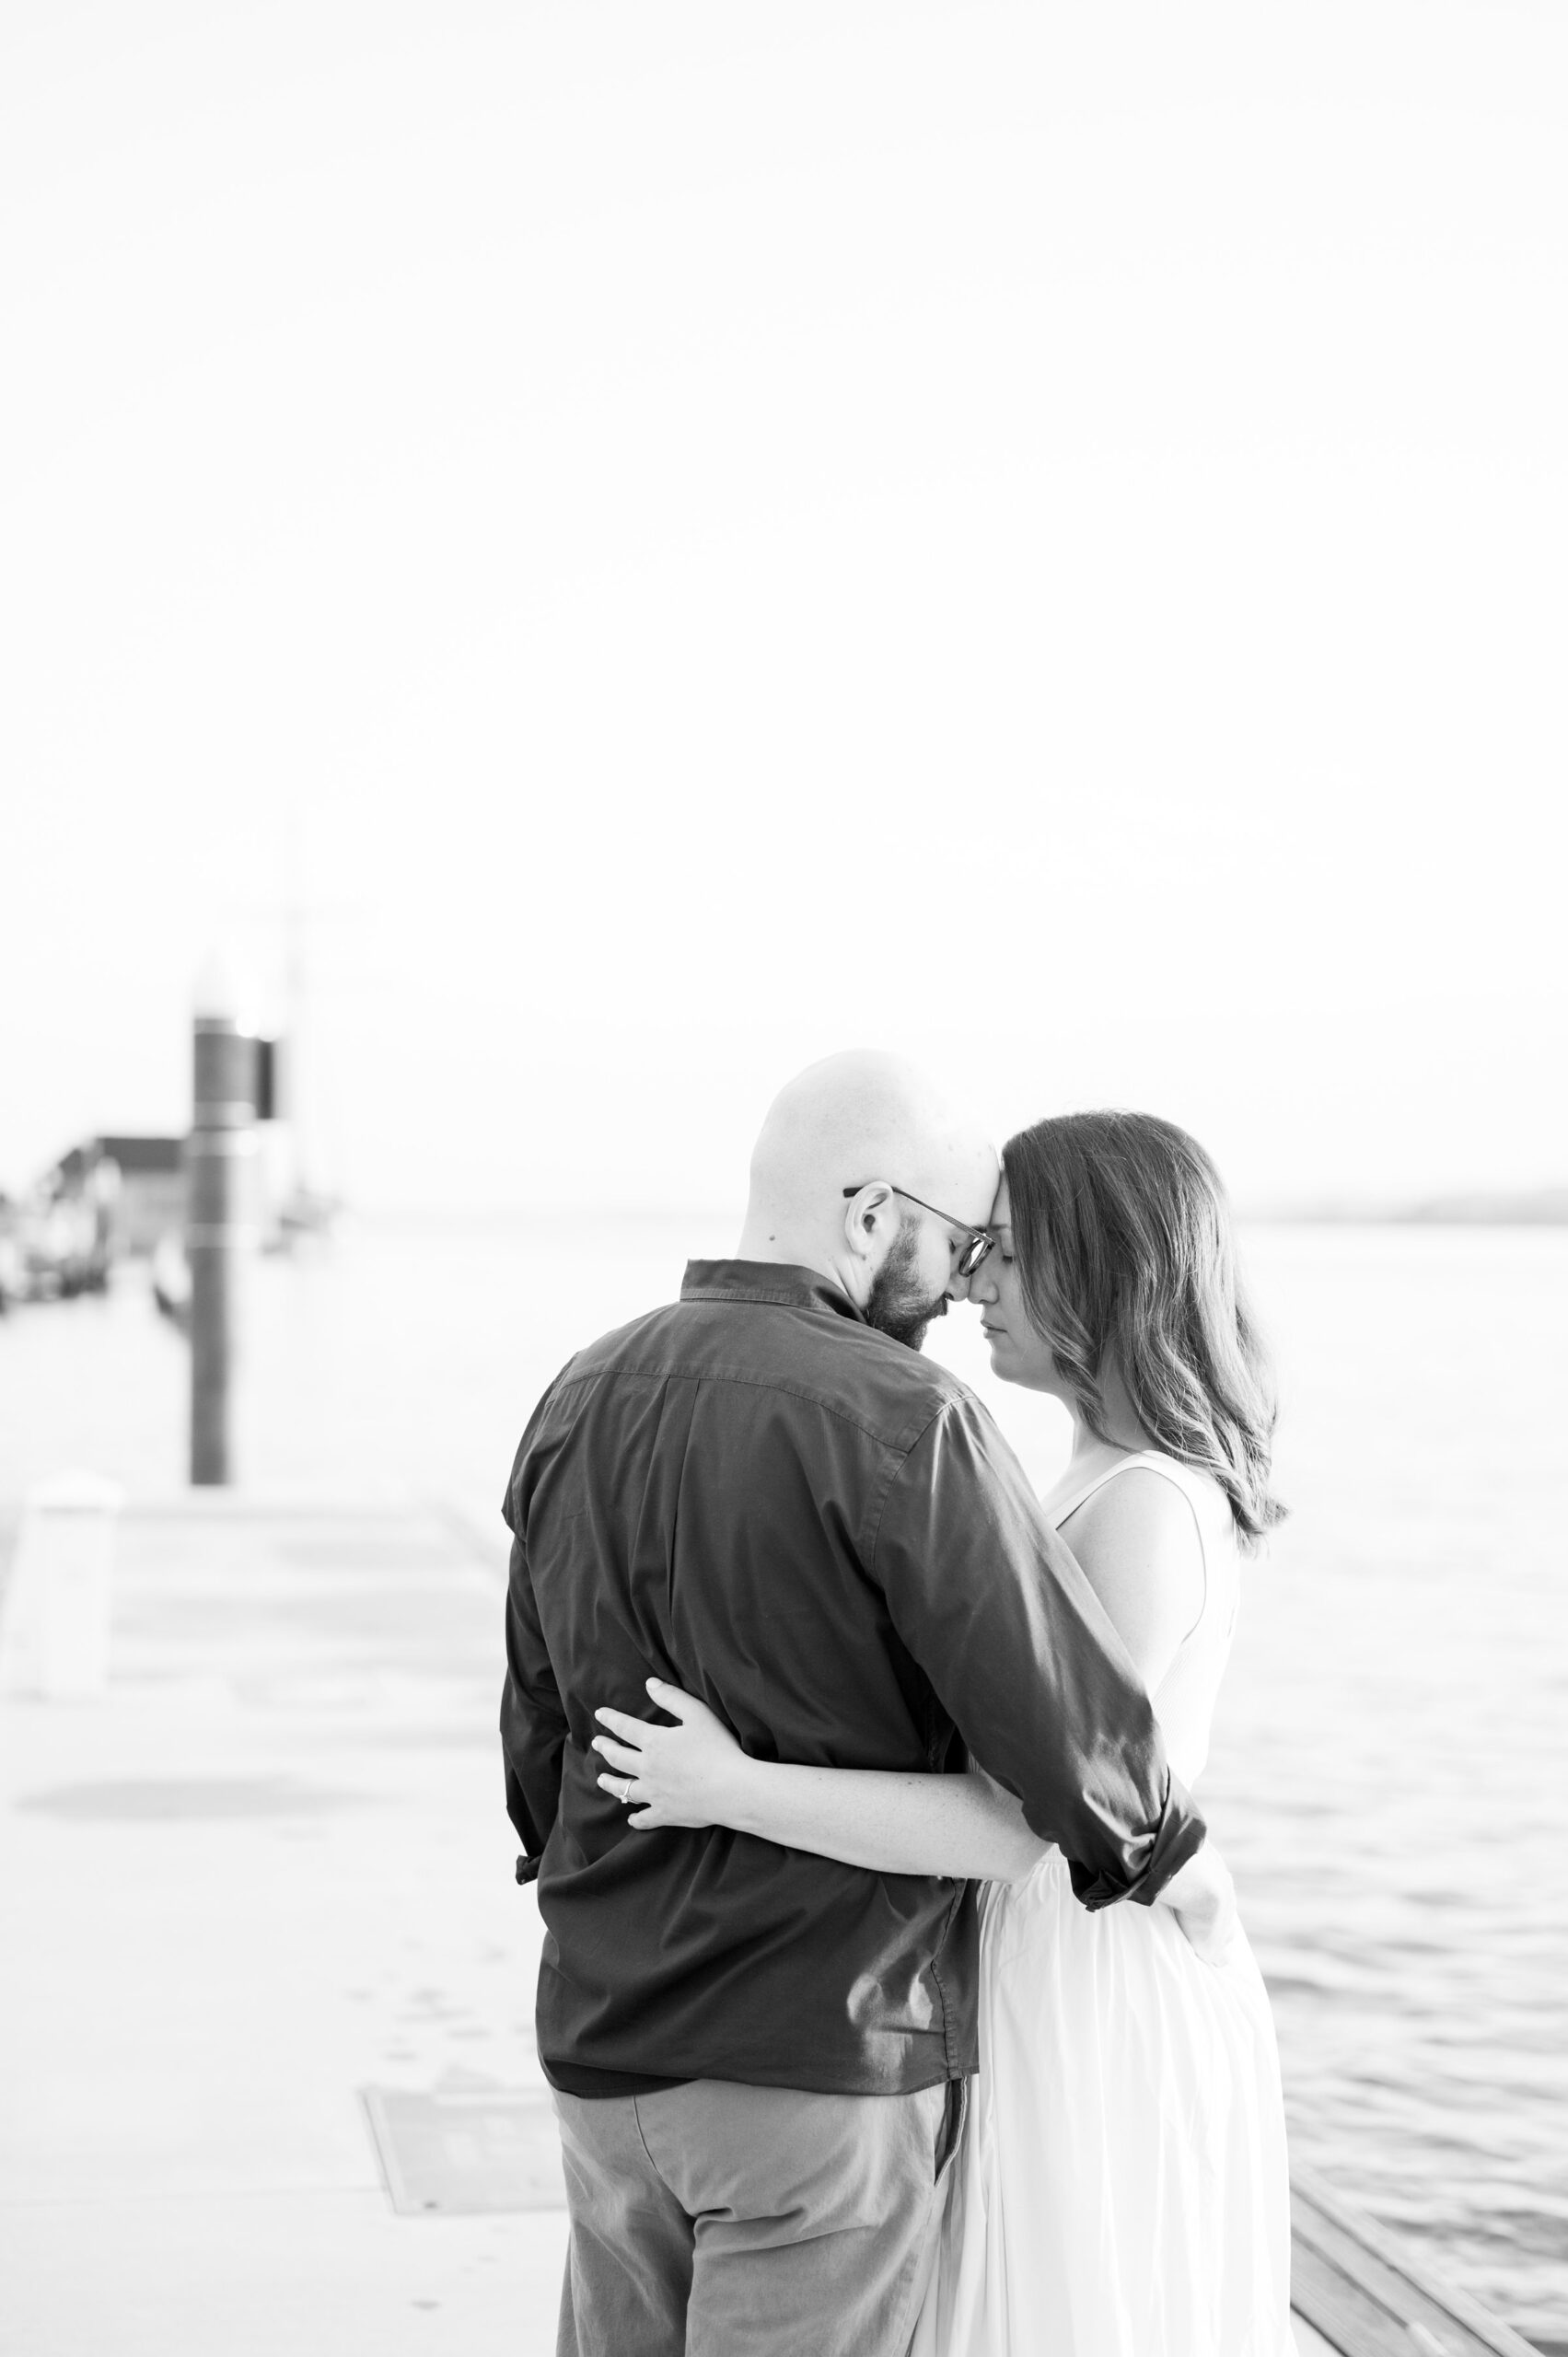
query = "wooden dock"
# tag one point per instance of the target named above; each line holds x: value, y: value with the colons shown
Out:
x: 1355, y: 2290
x: 271, y: 2017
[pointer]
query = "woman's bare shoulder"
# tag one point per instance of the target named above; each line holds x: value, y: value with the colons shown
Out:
x: 1139, y: 1534
x: 1141, y: 1504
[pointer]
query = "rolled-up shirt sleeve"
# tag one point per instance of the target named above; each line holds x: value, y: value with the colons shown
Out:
x: 1020, y: 1651
x: 533, y: 1723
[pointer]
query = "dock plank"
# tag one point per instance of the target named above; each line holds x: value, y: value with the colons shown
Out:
x: 1355, y: 2286
x: 1309, y: 2342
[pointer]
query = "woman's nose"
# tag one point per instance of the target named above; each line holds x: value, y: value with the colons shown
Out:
x: 982, y: 1285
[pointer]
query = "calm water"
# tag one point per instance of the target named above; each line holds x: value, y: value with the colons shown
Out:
x: 1390, y: 1770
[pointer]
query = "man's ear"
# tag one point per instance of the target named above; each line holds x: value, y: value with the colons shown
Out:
x: 871, y: 1221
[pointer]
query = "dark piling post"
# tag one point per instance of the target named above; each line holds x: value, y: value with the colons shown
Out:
x: 220, y: 1229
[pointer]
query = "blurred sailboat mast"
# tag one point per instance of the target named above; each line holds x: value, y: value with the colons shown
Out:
x: 290, y: 1104
x: 303, y: 1206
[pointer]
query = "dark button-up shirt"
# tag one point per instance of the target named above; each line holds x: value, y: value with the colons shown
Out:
x: 757, y: 1495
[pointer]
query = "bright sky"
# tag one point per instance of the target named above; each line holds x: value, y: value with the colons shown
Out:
x: 690, y: 536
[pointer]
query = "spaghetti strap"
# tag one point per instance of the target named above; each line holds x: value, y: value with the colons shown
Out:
x: 1151, y: 1460
x: 1181, y: 1476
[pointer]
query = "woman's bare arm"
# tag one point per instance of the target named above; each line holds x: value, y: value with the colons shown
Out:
x: 695, y: 1773
x: 1138, y: 1545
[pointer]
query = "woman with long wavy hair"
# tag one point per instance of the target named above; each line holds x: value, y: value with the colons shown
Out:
x: 1122, y: 2190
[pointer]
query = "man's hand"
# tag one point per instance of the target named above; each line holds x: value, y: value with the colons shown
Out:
x: 1201, y: 1897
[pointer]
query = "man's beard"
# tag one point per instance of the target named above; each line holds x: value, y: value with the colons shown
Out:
x: 896, y: 1305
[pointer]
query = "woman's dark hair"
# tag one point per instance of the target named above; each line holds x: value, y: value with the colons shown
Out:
x: 1126, y: 1254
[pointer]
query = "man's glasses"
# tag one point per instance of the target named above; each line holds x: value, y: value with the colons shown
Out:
x: 974, y: 1250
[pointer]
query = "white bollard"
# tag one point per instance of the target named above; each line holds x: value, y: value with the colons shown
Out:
x: 54, y: 1639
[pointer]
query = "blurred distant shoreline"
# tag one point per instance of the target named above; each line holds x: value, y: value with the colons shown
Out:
x: 1535, y: 1207
x: 1532, y: 1207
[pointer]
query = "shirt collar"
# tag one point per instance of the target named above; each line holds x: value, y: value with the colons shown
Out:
x: 773, y: 1281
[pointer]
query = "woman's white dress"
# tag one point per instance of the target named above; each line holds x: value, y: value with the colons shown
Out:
x: 1122, y: 2189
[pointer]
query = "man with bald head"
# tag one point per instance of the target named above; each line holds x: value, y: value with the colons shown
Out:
x: 764, y: 1494
x: 893, y: 1255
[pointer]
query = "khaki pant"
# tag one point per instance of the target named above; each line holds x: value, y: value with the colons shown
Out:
x: 715, y: 2220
